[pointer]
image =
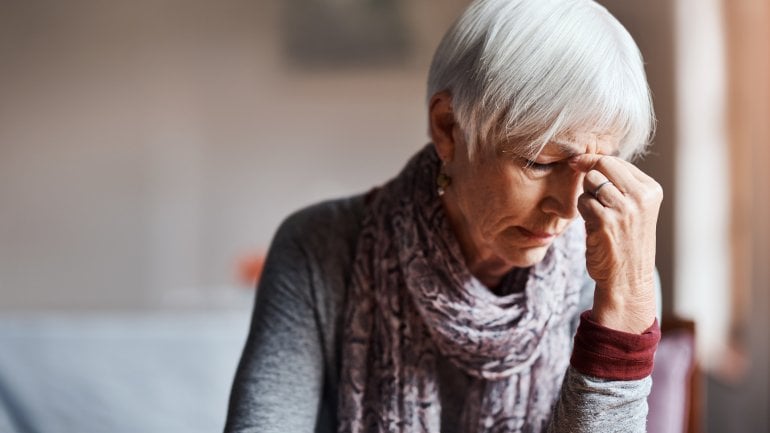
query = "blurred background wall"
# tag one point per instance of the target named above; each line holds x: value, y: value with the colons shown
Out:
x: 147, y: 146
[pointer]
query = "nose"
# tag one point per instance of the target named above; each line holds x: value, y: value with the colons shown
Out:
x: 562, y: 189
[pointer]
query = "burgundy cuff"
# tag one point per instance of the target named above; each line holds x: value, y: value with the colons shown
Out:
x: 610, y: 354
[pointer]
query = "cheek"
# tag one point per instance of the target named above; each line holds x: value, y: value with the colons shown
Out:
x: 507, y: 200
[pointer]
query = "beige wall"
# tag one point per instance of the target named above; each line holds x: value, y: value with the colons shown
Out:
x: 145, y: 145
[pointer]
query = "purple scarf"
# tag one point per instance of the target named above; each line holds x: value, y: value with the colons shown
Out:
x: 412, y: 300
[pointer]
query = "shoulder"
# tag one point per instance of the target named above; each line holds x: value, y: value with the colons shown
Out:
x: 315, y: 246
x: 322, y: 226
x: 311, y: 258
x: 290, y: 355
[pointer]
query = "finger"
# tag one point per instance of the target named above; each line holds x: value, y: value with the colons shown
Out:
x: 609, y: 166
x: 592, y: 211
x: 636, y: 172
x: 653, y: 188
x: 602, y: 189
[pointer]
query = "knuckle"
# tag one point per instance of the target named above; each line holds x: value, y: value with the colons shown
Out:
x: 633, y: 207
x: 582, y: 202
x: 604, y: 162
x: 626, y: 211
x: 609, y: 222
x: 653, y: 195
x: 658, y: 190
x: 587, y: 182
x: 628, y: 219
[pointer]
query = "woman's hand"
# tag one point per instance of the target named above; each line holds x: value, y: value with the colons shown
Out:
x: 620, y: 207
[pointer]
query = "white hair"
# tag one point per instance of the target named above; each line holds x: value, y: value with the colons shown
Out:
x: 536, y: 70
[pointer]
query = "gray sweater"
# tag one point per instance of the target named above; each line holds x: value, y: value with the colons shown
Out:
x: 287, y: 378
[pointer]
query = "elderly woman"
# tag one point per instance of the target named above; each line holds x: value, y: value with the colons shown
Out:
x: 504, y: 281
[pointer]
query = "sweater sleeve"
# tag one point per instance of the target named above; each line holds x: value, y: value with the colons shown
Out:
x: 278, y: 383
x: 591, y: 404
x: 605, y: 388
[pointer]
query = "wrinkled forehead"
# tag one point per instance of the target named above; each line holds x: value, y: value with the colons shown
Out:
x: 565, y: 145
x: 578, y: 143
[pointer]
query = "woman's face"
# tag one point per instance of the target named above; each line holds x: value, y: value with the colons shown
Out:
x: 511, y: 208
x: 505, y: 209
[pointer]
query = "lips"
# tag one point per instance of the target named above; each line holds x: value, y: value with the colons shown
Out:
x: 537, y: 235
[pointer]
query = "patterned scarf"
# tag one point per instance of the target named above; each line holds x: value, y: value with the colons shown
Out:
x: 412, y: 300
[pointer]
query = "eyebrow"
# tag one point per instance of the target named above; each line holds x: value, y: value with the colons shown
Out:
x: 568, y: 148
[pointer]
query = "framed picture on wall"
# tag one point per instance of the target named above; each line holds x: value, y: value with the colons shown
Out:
x: 333, y: 34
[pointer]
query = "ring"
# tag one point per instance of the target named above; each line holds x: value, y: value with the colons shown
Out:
x: 601, y: 185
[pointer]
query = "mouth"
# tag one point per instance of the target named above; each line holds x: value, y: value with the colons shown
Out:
x: 537, y: 236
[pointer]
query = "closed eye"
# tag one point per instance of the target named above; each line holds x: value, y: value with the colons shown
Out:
x: 533, y: 165
x: 538, y: 166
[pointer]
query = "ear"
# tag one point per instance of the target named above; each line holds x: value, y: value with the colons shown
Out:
x: 442, y: 125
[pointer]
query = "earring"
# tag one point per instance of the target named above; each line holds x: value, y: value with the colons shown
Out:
x: 443, y: 180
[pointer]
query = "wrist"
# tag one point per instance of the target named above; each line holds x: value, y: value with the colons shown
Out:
x: 630, y: 322
x: 618, y: 313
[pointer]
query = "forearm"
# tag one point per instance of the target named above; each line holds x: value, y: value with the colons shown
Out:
x: 606, y: 386
x: 589, y: 404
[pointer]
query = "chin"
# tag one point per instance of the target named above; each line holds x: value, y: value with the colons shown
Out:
x: 526, y: 257
x: 519, y: 250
